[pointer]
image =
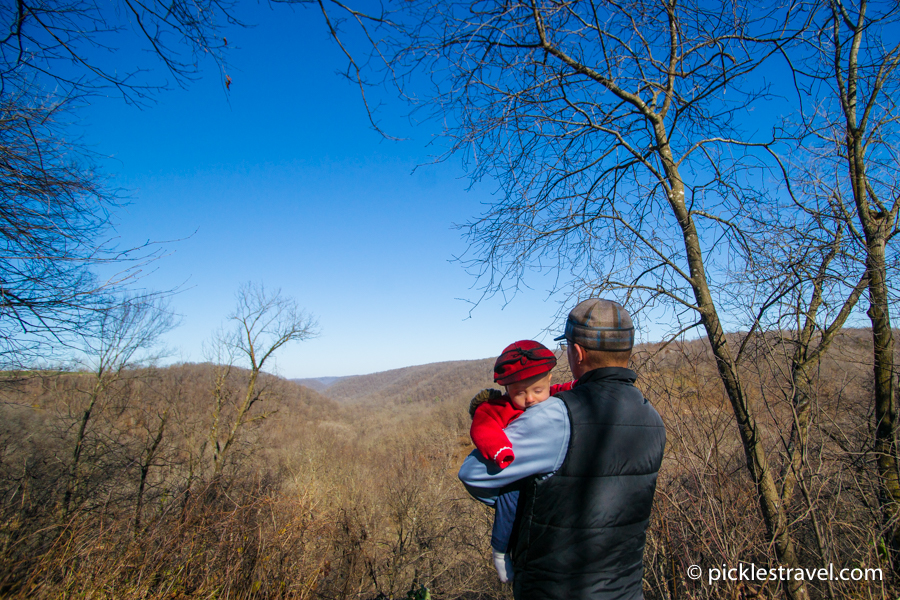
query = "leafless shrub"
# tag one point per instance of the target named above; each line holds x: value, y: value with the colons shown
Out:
x: 326, y: 500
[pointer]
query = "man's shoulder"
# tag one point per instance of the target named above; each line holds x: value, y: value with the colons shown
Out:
x: 551, y: 405
x: 616, y: 397
x: 543, y: 419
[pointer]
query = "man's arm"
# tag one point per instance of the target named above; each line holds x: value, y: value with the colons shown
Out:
x: 540, y: 438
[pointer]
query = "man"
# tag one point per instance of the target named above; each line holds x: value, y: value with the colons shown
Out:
x: 586, y: 463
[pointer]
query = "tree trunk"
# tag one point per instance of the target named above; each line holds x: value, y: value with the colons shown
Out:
x: 876, y: 224
x: 149, y: 455
x: 757, y: 463
x: 885, y: 409
x: 73, y: 471
x: 804, y: 363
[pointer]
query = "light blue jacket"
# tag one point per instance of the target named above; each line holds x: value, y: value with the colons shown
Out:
x: 540, y: 439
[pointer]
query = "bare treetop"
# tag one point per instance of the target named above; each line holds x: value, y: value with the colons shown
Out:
x: 69, y: 48
x: 265, y: 320
x: 597, y: 119
x: 54, y: 204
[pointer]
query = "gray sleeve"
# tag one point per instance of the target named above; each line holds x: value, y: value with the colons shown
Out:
x: 540, y: 438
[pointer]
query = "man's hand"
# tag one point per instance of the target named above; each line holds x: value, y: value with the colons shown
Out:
x: 503, y: 564
x: 481, y: 397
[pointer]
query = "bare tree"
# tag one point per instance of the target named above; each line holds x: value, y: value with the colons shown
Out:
x: 851, y: 65
x: 55, y: 209
x: 825, y: 284
x: 124, y: 332
x: 262, y: 323
x: 65, y: 50
x: 621, y: 137
x: 53, y: 213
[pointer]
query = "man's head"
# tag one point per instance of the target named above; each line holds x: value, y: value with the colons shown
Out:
x: 524, y: 369
x: 599, y: 333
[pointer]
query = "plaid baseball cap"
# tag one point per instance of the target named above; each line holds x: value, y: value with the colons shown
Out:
x: 598, y: 324
x: 521, y: 360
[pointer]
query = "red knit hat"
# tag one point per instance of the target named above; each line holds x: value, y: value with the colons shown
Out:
x: 521, y: 360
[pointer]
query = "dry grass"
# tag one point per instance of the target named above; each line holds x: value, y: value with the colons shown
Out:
x: 325, y: 500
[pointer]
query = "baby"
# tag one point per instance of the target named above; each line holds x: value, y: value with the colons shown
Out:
x: 524, y: 369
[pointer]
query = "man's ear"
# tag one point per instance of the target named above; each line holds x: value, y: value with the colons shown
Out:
x: 579, y: 353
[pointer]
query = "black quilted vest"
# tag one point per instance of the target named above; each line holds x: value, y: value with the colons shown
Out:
x: 580, y: 533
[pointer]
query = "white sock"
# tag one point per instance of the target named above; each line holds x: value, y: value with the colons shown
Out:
x: 503, y: 564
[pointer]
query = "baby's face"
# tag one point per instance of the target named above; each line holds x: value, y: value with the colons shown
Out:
x: 529, y: 392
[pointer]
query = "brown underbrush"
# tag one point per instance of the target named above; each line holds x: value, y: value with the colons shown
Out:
x: 706, y: 512
x: 316, y: 501
x: 325, y: 500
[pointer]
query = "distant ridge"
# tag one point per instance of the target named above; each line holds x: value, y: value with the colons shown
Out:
x: 317, y: 383
x: 418, y: 384
x: 456, y: 380
x: 460, y: 380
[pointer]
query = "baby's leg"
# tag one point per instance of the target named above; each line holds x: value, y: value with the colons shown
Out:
x: 504, y: 517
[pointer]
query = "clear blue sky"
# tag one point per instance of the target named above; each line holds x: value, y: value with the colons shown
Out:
x: 282, y: 181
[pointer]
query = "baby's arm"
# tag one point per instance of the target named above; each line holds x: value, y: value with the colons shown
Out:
x: 561, y: 387
x: 488, y: 435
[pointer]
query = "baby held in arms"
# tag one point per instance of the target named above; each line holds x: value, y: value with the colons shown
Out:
x: 524, y: 370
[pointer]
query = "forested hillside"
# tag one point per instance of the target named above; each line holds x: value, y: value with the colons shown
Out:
x: 423, y: 383
x: 130, y: 487
x: 317, y: 383
x: 316, y: 498
x: 433, y: 382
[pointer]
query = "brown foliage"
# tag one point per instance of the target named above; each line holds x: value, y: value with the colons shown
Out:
x: 316, y: 501
x: 337, y: 500
x: 419, y: 384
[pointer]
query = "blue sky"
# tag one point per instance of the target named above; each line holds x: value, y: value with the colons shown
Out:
x: 282, y: 181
